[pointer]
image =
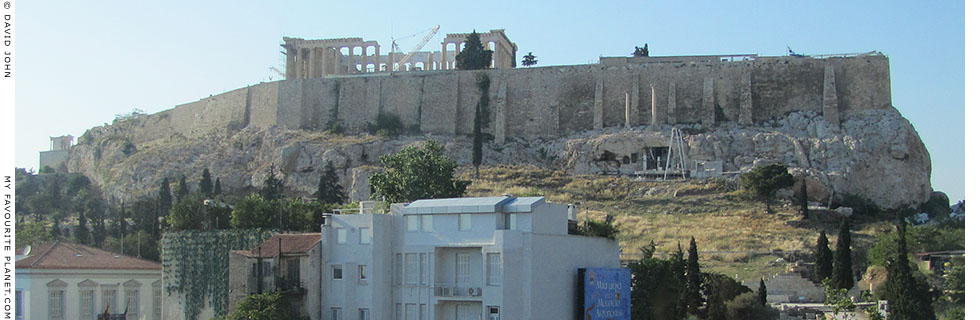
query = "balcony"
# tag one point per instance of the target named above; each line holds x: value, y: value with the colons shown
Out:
x: 290, y: 286
x: 453, y: 291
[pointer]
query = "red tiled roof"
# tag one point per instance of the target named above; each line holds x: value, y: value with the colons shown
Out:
x: 291, y: 244
x: 63, y: 255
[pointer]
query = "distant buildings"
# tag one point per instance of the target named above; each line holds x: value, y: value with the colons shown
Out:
x: 465, y: 258
x: 67, y: 281
x: 55, y: 158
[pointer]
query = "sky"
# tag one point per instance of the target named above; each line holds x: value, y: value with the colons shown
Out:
x: 80, y: 63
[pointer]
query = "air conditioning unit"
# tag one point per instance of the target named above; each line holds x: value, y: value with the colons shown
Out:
x: 476, y: 292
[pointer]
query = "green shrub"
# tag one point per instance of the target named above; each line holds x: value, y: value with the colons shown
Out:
x: 387, y: 125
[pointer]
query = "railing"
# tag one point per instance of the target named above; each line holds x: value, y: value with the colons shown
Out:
x: 290, y: 286
x: 452, y: 290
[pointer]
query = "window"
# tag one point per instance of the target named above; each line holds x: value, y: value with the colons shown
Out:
x: 464, y: 222
x: 132, y: 304
x: 411, y: 268
x: 411, y: 311
x: 398, y: 268
x: 398, y: 311
x: 427, y: 223
x: 292, y: 272
x: 363, y: 314
x: 341, y: 235
x: 493, y: 269
x: 511, y: 223
x: 56, y: 304
x: 19, y: 307
x: 86, y: 303
x: 362, y: 273
x: 365, y: 235
x: 422, y: 271
x: 109, y: 299
x: 493, y: 313
x: 422, y: 312
x: 412, y: 223
x: 336, y: 314
x: 462, y: 268
x: 156, y: 302
x: 338, y: 272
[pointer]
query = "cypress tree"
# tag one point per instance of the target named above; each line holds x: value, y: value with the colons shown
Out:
x: 483, y: 81
x: 82, y: 233
x: 762, y: 293
x: 182, y: 188
x: 164, y: 203
x: 273, y: 187
x: 825, y: 258
x: 804, y: 209
x: 206, y: 187
x: 692, y: 294
x: 217, y: 186
x: 328, y: 189
x: 908, y: 297
x: 843, y: 276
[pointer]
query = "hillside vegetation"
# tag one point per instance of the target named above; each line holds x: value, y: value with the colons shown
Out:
x: 735, y: 236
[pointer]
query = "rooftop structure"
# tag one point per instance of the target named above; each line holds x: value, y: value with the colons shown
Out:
x: 288, y: 263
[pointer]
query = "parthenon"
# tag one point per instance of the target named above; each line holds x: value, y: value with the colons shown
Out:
x: 312, y: 59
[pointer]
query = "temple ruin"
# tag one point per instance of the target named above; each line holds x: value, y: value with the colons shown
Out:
x: 312, y: 59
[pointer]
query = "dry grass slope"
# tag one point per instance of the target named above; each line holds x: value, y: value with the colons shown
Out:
x: 734, y: 235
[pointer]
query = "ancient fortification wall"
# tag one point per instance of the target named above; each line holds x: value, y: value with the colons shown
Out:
x: 547, y: 101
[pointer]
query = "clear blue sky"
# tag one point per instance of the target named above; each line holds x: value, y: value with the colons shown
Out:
x: 82, y: 62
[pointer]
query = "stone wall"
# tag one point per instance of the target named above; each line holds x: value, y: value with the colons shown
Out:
x: 548, y: 101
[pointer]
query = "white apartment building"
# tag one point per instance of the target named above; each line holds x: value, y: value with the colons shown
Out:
x: 466, y: 258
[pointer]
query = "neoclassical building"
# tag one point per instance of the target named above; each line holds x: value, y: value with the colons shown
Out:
x: 67, y: 281
x: 312, y: 59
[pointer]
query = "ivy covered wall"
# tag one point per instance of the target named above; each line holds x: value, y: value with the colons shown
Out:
x: 195, y: 268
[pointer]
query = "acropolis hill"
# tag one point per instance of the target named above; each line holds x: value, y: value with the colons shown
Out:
x: 829, y: 117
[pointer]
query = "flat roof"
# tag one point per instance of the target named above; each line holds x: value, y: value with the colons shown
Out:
x: 473, y: 205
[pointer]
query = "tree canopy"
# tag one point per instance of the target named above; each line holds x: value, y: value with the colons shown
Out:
x: 474, y: 56
x: 417, y: 173
x: 763, y: 182
x: 824, y: 266
x: 529, y: 60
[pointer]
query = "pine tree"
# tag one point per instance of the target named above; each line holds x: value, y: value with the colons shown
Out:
x: 182, y: 188
x: 908, y: 297
x: 206, y: 187
x: 762, y: 293
x: 529, y: 60
x: 843, y: 276
x: 804, y: 208
x: 217, y: 186
x: 825, y: 258
x: 692, y: 293
x: 473, y: 56
x: 329, y: 190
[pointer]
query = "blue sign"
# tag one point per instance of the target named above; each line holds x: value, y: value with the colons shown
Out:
x: 606, y: 293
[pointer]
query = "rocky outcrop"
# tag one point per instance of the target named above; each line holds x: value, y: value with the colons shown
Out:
x: 873, y: 153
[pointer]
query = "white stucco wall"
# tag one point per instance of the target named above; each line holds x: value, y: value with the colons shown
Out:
x: 34, y: 284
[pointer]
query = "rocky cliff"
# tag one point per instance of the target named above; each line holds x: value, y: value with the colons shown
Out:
x: 874, y: 153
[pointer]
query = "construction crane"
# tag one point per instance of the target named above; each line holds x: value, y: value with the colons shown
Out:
x: 395, y: 48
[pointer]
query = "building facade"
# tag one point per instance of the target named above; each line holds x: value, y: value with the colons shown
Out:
x: 288, y: 263
x: 466, y: 258
x: 67, y: 281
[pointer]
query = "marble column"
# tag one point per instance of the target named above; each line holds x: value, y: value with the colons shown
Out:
x: 290, y: 63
